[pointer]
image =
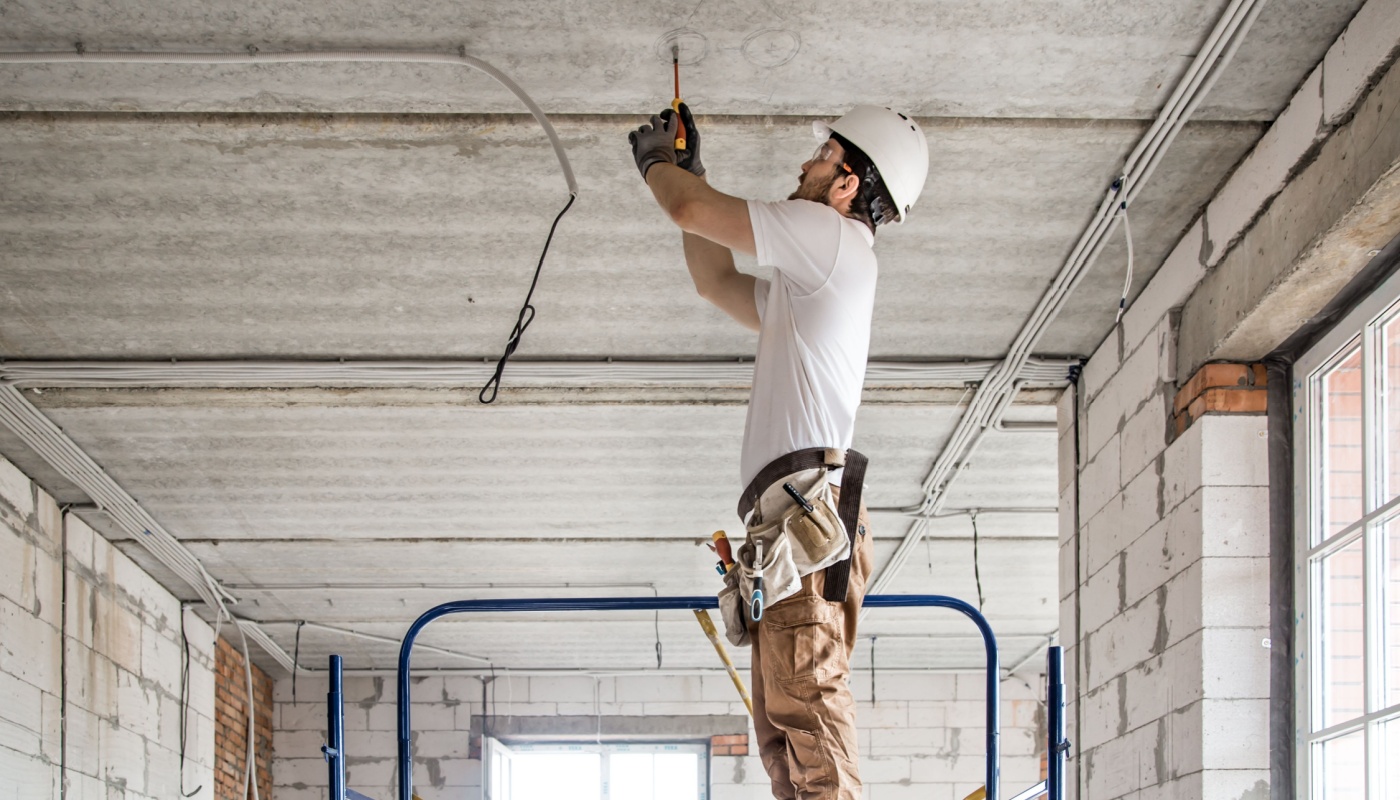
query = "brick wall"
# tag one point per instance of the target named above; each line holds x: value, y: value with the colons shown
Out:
x: 90, y: 664
x: 231, y: 724
x: 923, y: 738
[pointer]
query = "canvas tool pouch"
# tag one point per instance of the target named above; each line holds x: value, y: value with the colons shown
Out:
x: 733, y: 610
x: 820, y: 539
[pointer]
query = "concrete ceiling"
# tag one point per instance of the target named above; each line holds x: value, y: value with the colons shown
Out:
x: 371, y: 211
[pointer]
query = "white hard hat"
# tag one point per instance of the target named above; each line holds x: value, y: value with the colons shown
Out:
x: 894, y: 142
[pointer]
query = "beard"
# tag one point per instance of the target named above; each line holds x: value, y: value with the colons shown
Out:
x: 816, y: 191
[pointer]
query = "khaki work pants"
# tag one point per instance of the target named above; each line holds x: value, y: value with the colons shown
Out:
x: 804, y: 714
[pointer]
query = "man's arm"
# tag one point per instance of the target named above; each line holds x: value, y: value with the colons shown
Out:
x: 712, y: 223
x: 712, y: 269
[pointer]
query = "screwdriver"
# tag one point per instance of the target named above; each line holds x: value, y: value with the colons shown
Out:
x: 676, y: 103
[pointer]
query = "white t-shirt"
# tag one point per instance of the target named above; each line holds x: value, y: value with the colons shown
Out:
x: 815, y: 334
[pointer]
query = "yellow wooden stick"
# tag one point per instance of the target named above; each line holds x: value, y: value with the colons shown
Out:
x: 980, y: 794
x: 708, y: 626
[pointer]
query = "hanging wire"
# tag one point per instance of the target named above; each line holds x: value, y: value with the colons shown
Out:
x: 1128, y: 278
x: 185, y: 707
x: 527, y: 315
x: 976, y: 563
x: 296, y: 659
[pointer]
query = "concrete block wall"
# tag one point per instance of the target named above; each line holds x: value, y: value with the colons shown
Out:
x: 923, y: 737
x: 90, y: 664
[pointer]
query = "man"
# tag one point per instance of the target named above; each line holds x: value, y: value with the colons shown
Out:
x: 813, y: 320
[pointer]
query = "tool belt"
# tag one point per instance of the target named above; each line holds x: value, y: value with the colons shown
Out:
x: 797, y: 539
x: 825, y: 459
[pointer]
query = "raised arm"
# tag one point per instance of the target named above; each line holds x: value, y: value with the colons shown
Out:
x: 712, y: 223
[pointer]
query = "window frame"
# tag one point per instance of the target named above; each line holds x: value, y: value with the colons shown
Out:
x: 1363, y: 326
x: 701, y: 748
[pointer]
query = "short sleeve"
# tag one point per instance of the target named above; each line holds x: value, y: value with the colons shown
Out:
x: 760, y: 296
x: 798, y: 238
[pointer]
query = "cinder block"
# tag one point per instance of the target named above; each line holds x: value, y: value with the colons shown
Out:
x: 882, y: 714
x: 297, y: 744
x: 573, y: 689
x: 1068, y: 578
x: 430, y: 744
x: 907, y: 742
x: 1235, y: 521
x: 161, y: 663
x: 1235, y: 592
x: 1144, y: 439
x: 913, y: 686
x: 1143, y: 506
x: 1181, y: 468
x: 138, y: 705
x: 1103, y: 714
x: 1236, y: 663
x: 117, y: 633
x: 1101, y: 367
x: 1066, y: 466
x: 378, y: 770
x: 684, y: 709
x: 1099, y: 480
x: 20, y: 704
x: 25, y: 776
x: 163, y: 770
x: 927, y: 714
x: 1101, y: 598
x: 1235, y: 734
x: 643, y: 689
x: 1367, y: 44
x: 1182, y: 612
x: 1234, y: 450
x: 1125, y: 641
x: 461, y: 772
x: 1164, y: 684
x: 297, y: 772
x: 304, y: 716
x: 29, y: 648
x: 123, y: 757
x: 1067, y: 514
x: 1104, y: 536
x: 912, y: 791
x: 79, y: 786
x: 51, y: 727
x: 16, y: 489
x: 1232, y: 784
x: 79, y: 541
x: 1154, y: 559
x: 49, y: 519
x: 309, y: 687
x: 1064, y: 412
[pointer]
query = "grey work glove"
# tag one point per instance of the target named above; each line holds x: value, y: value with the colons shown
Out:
x: 689, y: 158
x: 654, y: 143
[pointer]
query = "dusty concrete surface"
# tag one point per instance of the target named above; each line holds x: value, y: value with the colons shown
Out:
x: 1318, y: 234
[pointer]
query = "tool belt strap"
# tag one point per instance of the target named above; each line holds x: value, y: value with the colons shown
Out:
x: 783, y: 466
x: 838, y: 575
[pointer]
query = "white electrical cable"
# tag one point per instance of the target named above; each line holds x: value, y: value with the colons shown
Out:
x: 250, y: 769
x: 283, y: 374
x: 254, y: 56
x: 983, y: 412
x: 1127, y: 278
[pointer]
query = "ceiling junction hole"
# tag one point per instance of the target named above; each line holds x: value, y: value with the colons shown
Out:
x: 693, y: 46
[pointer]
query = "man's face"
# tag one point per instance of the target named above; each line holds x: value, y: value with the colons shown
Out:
x: 820, y: 173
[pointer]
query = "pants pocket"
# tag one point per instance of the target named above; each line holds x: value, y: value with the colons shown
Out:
x: 803, y: 639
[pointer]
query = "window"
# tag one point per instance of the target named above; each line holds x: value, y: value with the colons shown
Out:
x: 666, y: 771
x: 1347, y: 445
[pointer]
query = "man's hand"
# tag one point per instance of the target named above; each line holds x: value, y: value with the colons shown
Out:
x: 689, y: 158
x: 654, y: 143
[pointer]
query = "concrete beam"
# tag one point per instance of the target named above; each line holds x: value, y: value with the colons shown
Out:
x: 1341, y: 208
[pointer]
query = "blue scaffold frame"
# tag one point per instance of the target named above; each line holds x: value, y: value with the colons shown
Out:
x: 1057, y: 745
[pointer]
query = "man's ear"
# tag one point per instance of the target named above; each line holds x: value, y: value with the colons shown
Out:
x: 845, y: 188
